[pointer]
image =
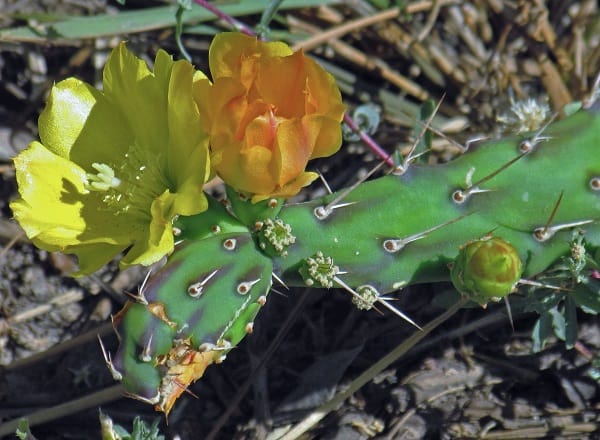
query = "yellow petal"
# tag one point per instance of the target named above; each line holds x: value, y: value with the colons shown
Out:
x: 156, y: 241
x: 142, y: 131
x: 289, y: 190
x: 140, y: 95
x: 270, y: 112
x: 70, y: 124
x: 282, y: 83
x: 223, y: 104
x: 49, y: 209
x: 328, y: 133
x: 190, y: 198
x: 187, y: 151
x: 92, y: 257
x: 248, y: 170
x: 323, y: 95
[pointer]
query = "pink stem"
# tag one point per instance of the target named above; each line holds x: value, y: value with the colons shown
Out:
x: 369, y: 141
x: 227, y: 18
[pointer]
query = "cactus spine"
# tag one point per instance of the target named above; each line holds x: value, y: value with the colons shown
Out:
x: 385, y: 234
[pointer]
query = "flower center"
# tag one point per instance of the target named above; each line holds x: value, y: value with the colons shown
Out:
x: 129, y: 186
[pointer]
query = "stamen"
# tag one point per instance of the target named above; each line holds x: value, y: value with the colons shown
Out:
x: 131, y: 184
x: 103, y: 180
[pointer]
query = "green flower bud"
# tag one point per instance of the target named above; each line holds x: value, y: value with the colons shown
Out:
x: 486, y: 269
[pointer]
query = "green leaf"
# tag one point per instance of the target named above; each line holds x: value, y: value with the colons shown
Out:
x: 571, y: 327
x: 541, y: 301
x: 23, y: 432
x: 129, y: 22
x: 141, y: 430
x: 183, y: 6
x: 425, y: 112
x: 542, y: 330
x: 262, y: 29
x: 558, y: 323
x: 587, y: 297
x: 110, y: 431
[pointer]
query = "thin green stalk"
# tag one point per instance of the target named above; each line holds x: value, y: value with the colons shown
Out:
x: 266, y: 17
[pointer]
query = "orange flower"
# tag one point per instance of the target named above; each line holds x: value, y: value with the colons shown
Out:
x: 268, y: 111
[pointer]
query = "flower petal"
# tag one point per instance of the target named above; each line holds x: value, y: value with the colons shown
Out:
x: 46, y: 181
x: 248, y: 170
x: 328, y: 135
x: 74, y: 124
x: 91, y: 257
x: 190, y: 198
x: 221, y: 105
x: 156, y: 241
x: 289, y: 190
x: 293, y: 149
x: 322, y: 93
x: 119, y: 166
x: 187, y: 154
x: 269, y: 112
x: 282, y: 83
x: 229, y: 50
x: 140, y: 95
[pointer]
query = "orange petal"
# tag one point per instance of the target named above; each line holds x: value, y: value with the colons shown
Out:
x: 328, y: 135
x: 293, y: 149
x: 229, y: 49
x: 282, y: 83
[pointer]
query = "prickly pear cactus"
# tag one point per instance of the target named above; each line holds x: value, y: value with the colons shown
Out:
x: 190, y: 313
x: 503, y: 212
x: 529, y: 192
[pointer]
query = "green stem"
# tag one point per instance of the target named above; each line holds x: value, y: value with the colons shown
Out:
x: 266, y: 18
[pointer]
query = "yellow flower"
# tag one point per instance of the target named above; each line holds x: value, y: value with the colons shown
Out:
x: 115, y: 167
x: 268, y: 111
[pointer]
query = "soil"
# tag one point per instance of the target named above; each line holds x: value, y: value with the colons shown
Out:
x: 476, y: 376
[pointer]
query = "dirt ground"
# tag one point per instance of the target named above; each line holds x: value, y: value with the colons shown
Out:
x: 474, y: 377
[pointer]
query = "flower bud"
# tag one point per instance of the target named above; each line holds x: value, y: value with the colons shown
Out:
x: 486, y: 269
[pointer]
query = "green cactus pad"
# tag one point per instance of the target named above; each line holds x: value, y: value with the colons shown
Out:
x: 190, y: 313
x: 405, y: 229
